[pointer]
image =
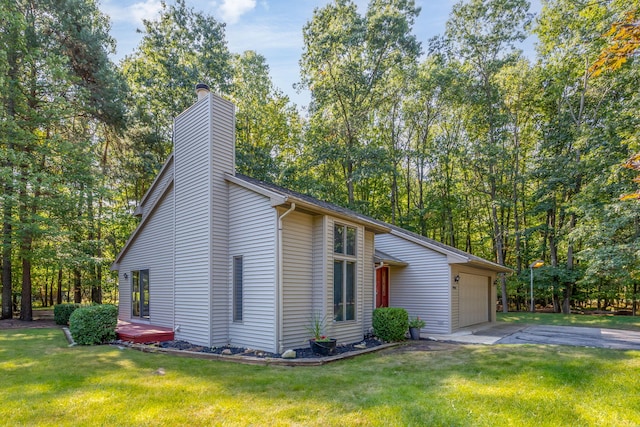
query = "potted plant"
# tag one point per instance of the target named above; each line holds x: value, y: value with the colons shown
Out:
x: 320, y: 343
x: 415, y: 324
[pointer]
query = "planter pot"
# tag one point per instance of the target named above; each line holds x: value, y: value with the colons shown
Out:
x: 415, y: 333
x: 325, y: 348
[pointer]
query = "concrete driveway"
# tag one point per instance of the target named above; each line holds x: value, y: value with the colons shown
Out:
x: 508, y: 333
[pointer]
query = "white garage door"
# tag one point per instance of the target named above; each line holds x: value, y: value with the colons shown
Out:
x: 473, y: 299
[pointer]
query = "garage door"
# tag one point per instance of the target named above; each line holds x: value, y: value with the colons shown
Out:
x: 473, y: 299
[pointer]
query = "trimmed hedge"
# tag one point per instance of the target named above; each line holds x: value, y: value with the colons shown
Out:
x: 390, y: 323
x: 62, y: 312
x: 94, y: 324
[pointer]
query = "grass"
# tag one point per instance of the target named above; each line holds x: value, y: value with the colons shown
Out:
x: 597, y: 321
x: 45, y: 382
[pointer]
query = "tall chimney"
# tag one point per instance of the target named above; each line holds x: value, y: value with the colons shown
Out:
x: 202, y: 90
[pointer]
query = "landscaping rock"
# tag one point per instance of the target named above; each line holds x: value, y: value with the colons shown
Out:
x: 289, y: 354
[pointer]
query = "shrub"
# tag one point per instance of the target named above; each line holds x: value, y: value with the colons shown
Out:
x: 62, y: 312
x: 390, y: 323
x: 94, y: 324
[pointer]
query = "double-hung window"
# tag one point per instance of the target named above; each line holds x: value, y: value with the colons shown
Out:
x: 344, y: 273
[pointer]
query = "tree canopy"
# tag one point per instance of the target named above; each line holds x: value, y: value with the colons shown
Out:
x: 462, y: 138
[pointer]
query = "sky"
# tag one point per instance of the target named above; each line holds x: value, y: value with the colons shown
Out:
x: 272, y: 28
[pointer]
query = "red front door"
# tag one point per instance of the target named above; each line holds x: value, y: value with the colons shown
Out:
x: 382, y: 287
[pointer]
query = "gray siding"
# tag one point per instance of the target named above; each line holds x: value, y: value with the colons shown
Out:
x: 319, y: 266
x: 369, y: 286
x: 223, y: 158
x: 252, y: 235
x: 152, y: 249
x: 192, y: 229
x: 157, y: 188
x: 423, y: 287
x: 203, y: 151
x: 297, y: 249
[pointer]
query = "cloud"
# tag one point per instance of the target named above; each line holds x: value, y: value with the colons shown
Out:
x: 232, y: 10
x: 148, y: 9
x: 134, y: 13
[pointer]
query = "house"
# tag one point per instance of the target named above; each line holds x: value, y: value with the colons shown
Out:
x: 221, y: 258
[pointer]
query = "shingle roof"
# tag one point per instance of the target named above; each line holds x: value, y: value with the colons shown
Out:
x: 433, y: 244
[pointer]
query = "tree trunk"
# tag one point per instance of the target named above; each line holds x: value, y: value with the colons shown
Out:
x: 26, y: 310
x: 77, y: 286
x: 7, y: 202
x: 59, y: 294
x: 7, y: 289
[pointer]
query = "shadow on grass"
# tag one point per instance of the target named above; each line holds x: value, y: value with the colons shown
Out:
x: 559, y: 319
x: 468, y: 385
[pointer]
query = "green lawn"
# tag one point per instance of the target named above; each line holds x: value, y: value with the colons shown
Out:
x: 45, y: 382
x: 599, y: 321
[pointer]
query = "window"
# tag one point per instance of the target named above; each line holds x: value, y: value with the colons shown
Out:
x: 344, y: 277
x: 237, y: 289
x: 140, y: 294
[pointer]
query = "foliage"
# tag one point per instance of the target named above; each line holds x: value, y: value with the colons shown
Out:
x: 94, y: 324
x: 625, y: 41
x: 61, y: 98
x: 590, y: 387
x: 417, y: 322
x: 181, y: 48
x: 316, y: 327
x: 390, y: 323
x: 62, y: 313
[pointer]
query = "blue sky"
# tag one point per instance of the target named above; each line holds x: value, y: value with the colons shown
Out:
x: 272, y: 28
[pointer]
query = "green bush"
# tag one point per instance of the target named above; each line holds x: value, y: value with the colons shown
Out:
x: 390, y: 323
x: 94, y: 325
x: 62, y: 312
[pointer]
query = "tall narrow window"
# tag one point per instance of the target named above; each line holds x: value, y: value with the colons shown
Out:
x: 140, y: 294
x: 237, y: 288
x: 344, y: 273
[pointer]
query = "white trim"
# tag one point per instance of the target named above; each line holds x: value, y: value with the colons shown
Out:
x: 116, y: 264
x: 154, y: 184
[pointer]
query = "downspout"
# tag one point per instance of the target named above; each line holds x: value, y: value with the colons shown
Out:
x: 280, y: 282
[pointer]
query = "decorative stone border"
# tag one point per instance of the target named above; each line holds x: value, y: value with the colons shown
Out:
x: 249, y: 360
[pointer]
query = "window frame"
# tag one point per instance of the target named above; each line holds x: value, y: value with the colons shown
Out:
x: 343, y: 258
x: 140, y: 306
x: 237, y: 288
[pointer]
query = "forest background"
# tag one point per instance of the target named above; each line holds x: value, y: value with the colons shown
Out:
x: 461, y: 139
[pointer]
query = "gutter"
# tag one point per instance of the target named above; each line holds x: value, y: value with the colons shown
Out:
x: 280, y: 282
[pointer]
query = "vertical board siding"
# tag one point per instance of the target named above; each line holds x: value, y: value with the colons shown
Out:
x: 422, y: 287
x: 153, y: 250
x: 192, y: 223
x: 252, y: 235
x: 222, y: 158
x: 297, y: 250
